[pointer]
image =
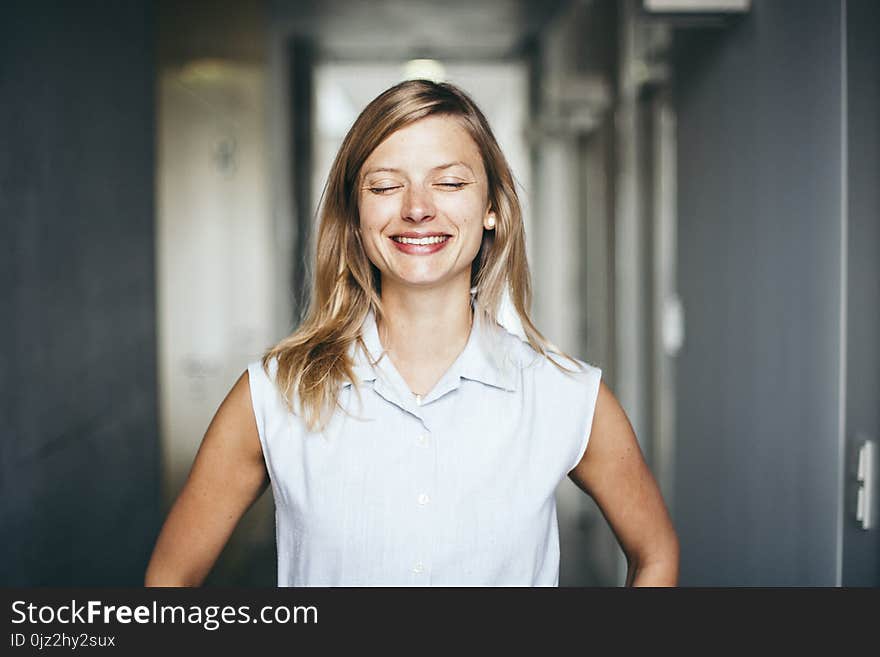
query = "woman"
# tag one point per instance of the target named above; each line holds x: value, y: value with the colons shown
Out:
x: 408, y: 437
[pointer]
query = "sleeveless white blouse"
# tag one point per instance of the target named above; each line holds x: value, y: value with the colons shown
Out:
x: 456, y: 489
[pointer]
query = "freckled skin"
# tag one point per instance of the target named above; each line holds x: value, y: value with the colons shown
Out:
x: 424, y: 194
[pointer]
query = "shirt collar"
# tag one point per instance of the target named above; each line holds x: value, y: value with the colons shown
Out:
x: 489, y: 356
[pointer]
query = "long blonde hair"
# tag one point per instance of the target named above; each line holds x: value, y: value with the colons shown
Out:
x: 314, y: 361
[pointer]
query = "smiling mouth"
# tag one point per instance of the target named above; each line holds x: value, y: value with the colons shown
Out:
x: 421, y: 241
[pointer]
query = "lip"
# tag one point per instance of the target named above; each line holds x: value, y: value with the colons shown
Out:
x: 421, y: 249
x: 418, y: 235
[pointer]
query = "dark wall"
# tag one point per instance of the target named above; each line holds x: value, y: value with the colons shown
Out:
x: 79, y: 453
x: 759, y: 171
x: 861, y: 549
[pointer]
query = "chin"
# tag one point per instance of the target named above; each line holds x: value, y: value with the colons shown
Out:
x: 422, y: 280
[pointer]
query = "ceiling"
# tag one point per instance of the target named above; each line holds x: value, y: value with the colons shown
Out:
x: 405, y: 29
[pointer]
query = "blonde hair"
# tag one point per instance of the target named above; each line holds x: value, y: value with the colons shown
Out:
x: 314, y: 361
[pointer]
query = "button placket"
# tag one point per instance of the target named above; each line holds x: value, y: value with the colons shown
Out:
x: 423, y: 501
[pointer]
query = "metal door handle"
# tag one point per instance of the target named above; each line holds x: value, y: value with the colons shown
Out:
x: 866, y: 475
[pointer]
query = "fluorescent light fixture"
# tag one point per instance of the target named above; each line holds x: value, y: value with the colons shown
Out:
x: 424, y: 69
x: 203, y: 70
x: 697, y: 6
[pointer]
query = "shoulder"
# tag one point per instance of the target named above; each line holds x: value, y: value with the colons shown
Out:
x: 234, y: 429
x: 266, y: 397
x: 262, y: 373
x: 554, y: 367
x: 554, y: 377
x: 563, y: 393
x: 262, y: 377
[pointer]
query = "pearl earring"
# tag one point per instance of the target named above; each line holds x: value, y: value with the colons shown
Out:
x: 491, y: 221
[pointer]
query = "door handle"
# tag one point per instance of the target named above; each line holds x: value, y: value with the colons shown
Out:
x: 866, y: 474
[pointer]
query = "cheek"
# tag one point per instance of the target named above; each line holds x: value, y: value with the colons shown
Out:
x: 477, y: 240
x: 466, y: 212
x: 374, y: 214
x: 369, y: 228
x: 371, y: 224
x: 471, y: 221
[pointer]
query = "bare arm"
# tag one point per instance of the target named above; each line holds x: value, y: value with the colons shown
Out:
x: 227, y: 477
x: 613, y: 472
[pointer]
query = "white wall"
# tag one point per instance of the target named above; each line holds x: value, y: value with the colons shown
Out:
x: 215, y: 258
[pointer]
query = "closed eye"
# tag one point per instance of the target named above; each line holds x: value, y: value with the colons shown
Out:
x: 383, y: 190
x: 452, y: 185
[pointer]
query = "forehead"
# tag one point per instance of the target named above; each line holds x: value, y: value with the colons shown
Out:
x: 426, y: 143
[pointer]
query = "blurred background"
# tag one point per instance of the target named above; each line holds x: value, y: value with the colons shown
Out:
x: 700, y: 179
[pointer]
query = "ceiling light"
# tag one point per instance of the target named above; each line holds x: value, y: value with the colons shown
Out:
x: 424, y: 69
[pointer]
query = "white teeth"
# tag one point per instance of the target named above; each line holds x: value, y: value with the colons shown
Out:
x: 421, y: 240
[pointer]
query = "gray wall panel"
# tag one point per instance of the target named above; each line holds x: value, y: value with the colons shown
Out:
x: 861, y: 565
x: 759, y: 172
x: 79, y: 449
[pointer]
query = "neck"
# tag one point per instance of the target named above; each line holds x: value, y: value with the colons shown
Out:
x: 423, y: 326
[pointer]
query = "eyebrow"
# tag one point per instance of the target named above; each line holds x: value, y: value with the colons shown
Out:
x: 452, y: 164
x: 440, y: 167
x: 381, y: 170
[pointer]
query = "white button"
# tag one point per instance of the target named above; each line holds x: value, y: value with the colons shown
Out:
x: 419, y: 568
x: 422, y: 440
x: 424, y: 499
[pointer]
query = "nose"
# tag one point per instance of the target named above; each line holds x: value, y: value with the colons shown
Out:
x: 417, y: 205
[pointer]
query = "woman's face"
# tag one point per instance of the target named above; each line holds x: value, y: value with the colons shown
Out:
x: 423, y: 204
